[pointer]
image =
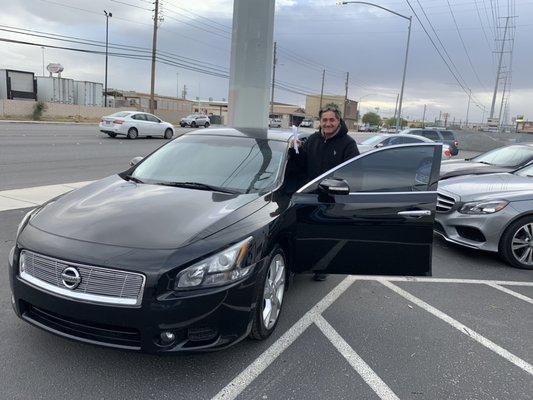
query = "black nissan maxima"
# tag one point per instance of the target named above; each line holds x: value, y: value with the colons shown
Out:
x: 191, y: 248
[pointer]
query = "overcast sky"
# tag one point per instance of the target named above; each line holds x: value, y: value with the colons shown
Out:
x: 312, y: 34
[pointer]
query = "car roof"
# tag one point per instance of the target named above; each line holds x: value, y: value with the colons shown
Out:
x: 410, y: 136
x: 280, y: 135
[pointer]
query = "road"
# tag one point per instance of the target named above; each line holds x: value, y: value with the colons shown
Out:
x: 463, y: 334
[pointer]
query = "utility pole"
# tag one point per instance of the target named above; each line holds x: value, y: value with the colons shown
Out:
x: 499, y: 69
x: 468, y: 107
x: 424, y: 117
x: 154, y: 51
x: 274, y: 62
x: 322, y: 89
x: 42, y: 48
x: 107, y: 16
x: 346, y: 95
x: 178, y: 85
x: 396, y: 106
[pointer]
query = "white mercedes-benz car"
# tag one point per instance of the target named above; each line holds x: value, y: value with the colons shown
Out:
x: 133, y: 124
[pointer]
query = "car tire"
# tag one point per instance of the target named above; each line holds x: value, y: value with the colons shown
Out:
x: 270, y: 295
x: 113, y: 135
x: 193, y: 124
x: 133, y: 133
x: 521, y: 233
x: 183, y: 125
x: 168, y: 133
x: 206, y: 125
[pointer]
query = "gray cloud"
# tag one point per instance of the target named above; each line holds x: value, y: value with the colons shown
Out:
x: 368, y: 43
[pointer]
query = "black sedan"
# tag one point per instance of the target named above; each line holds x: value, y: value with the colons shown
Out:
x: 191, y: 248
x: 502, y: 159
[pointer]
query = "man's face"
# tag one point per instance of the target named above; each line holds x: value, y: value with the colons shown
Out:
x: 329, y: 122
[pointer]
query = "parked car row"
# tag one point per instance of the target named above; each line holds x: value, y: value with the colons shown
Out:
x: 485, y: 202
x: 388, y: 139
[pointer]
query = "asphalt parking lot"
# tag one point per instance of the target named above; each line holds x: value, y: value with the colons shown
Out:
x: 465, y: 333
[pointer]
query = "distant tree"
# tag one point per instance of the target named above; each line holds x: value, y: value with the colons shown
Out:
x: 391, y: 122
x: 371, y: 118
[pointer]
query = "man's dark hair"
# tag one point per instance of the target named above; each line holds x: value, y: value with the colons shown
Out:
x: 332, y: 108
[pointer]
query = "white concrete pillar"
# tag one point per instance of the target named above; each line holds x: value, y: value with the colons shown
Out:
x: 251, y: 63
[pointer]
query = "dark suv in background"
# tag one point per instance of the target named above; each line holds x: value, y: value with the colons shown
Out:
x: 437, y: 135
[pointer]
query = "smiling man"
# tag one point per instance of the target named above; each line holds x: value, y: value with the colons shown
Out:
x: 325, y: 149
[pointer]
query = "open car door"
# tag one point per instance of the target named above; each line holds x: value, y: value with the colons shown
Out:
x: 372, y: 215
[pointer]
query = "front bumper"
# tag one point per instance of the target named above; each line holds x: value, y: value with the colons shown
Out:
x: 481, y: 232
x: 199, y: 321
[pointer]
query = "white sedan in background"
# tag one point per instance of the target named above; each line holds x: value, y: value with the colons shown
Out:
x: 133, y: 124
x: 387, y: 139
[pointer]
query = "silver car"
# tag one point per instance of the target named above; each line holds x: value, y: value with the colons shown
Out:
x: 492, y: 212
x: 195, y: 120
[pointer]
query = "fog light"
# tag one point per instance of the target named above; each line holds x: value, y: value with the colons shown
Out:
x: 167, y: 337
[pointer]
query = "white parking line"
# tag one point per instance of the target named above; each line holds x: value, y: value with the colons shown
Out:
x: 462, y: 328
x: 439, y: 280
x: 358, y: 364
x: 511, y: 292
x: 241, y: 381
x: 14, y: 199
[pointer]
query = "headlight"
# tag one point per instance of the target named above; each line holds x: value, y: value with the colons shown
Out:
x: 487, y: 207
x: 219, y: 269
x: 24, y: 221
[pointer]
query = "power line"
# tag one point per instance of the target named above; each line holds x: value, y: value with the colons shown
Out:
x: 467, y: 91
x: 464, y: 46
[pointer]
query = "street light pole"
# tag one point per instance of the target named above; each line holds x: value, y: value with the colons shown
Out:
x: 399, y: 116
x: 107, y: 16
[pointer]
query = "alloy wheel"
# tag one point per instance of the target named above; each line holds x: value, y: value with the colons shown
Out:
x: 273, y: 291
x: 522, y: 244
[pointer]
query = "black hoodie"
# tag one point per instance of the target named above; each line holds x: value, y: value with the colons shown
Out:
x: 318, y: 155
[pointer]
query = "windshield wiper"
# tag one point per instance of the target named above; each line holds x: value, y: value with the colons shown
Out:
x: 199, y: 186
x: 133, y: 179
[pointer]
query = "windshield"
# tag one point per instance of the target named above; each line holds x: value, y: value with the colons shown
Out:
x: 373, y: 140
x: 243, y: 165
x: 510, y: 156
x: 526, y: 171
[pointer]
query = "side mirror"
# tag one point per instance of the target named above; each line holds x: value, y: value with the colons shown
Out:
x: 334, y: 186
x: 379, y: 145
x: 136, y: 160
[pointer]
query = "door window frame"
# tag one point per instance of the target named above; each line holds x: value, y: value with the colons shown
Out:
x: 432, y: 186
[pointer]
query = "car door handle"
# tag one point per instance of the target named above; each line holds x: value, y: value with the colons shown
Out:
x: 415, y: 213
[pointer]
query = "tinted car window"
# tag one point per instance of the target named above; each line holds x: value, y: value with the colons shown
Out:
x: 139, y: 117
x: 433, y: 135
x: 509, y: 156
x: 395, y: 140
x: 407, y: 140
x: 151, y: 118
x: 239, y: 164
x: 403, y: 169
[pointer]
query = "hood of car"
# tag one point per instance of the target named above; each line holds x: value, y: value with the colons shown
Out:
x: 451, y: 168
x: 504, y: 185
x: 116, y: 212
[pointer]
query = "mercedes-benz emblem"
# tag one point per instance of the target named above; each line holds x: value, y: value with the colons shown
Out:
x: 71, y: 278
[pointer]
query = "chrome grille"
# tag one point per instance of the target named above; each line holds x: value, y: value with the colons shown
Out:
x: 99, y: 285
x: 444, y: 203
